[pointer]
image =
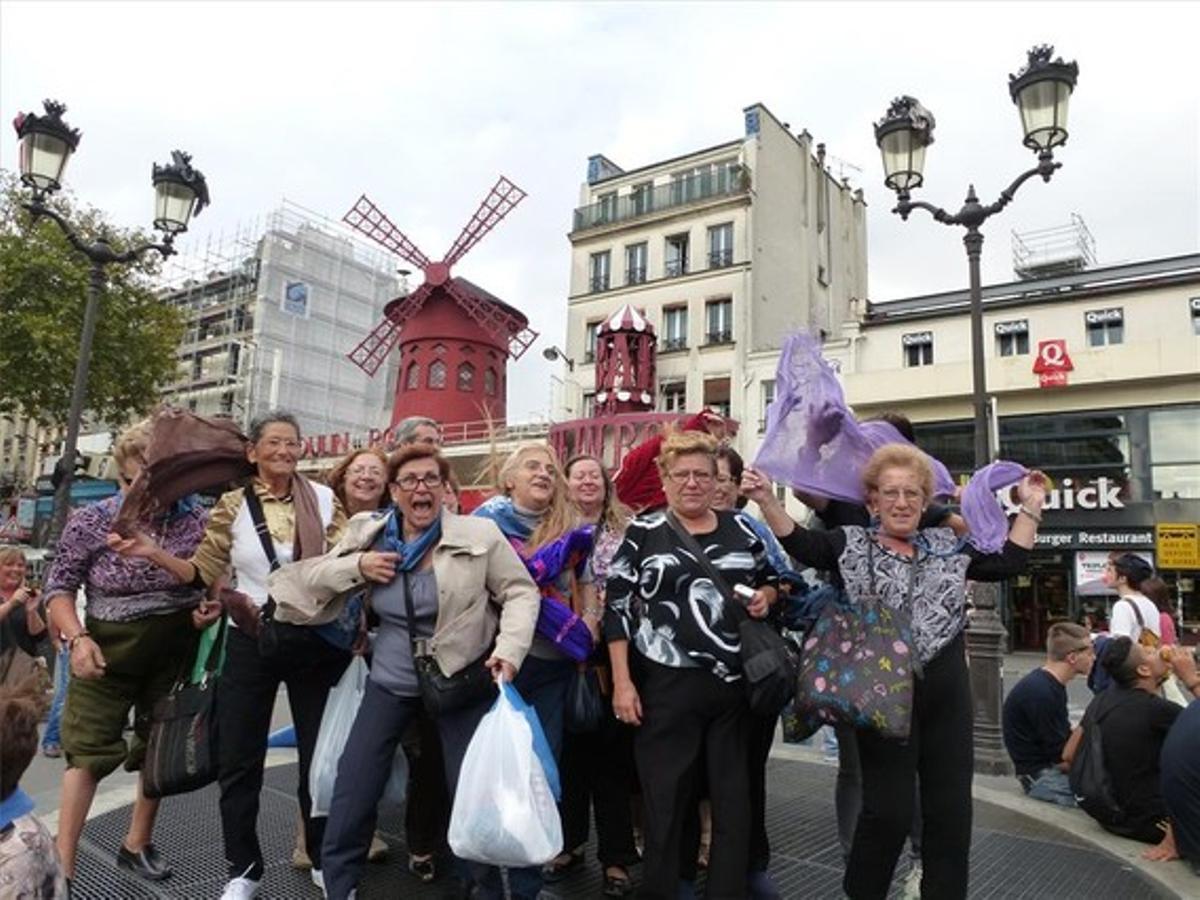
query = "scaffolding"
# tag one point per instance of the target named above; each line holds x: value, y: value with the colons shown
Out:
x: 272, y: 307
x: 1047, y: 252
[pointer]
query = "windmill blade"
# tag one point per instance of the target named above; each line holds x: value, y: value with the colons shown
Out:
x: 374, y: 348
x: 499, y: 202
x: 368, y: 218
x: 494, y: 319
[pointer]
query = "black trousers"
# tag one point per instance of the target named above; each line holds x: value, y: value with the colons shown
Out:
x: 427, y: 807
x: 684, y: 710
x: 309, y: 666
x: 762, y: 735
x: 597, y: 773
x: 941, y: 750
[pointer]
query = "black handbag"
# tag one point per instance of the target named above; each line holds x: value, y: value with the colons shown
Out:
x: 770, y: 663
x: 181, y: 751
x: 265, y: 630
x: 585, y: 706
x: 442, y: 693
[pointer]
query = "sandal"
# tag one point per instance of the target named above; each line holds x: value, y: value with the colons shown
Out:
x: 562, y: 865
x: 422, y: 867
x: 616, y: 882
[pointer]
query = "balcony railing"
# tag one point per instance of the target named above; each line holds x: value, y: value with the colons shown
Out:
x: 635, y: 275
x: 719, y: 337
x: 598, y: 283
x: 719, y: 259
x: 669, y: 344
x: 724, y: 182
x: 675, y: 267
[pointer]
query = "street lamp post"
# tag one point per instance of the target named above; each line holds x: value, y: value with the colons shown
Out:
x: 46, y: 144
x: 1042, y: 92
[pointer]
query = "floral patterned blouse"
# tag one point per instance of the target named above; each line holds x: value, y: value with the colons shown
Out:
x: 29, y: 863
x: 119, y: 588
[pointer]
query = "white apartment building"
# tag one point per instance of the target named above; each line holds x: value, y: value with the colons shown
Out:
x: 725, y: 250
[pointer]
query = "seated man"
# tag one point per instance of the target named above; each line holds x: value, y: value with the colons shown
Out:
x: 1036, y: 728
x: 1134, y: 721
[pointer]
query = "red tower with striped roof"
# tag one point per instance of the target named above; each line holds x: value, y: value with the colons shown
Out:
x: 625, y: 363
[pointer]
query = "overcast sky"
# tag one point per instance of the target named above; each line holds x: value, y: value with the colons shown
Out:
x: 422, y: 106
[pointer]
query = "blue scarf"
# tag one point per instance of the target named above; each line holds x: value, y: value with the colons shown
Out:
x: 514, y: 523
x: 411, y: 552
x: 15, y: 805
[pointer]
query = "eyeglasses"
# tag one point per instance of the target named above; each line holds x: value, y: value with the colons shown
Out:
x: 429, y: 481
x: 893, y: 495
x: 683, y: 476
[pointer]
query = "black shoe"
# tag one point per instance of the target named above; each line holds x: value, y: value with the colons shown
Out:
x: 559, y: 868
x: 146, y: 863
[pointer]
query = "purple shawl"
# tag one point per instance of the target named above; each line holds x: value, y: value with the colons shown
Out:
x: 813, y: 442
x: 982, y: 510
x: 557, y: 622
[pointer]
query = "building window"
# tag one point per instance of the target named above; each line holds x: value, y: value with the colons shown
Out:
x: 768, y: 397
x: 720, y: 246
x: 716, y: 395
x: 1195, y: 303
x: 598, y: 268
x: 635, y: 263
x: 412, y: 378
x: 489, y: 382
x: 466, y: 377
x: 1012, y: 338
x: 674, y: 330
x: 674, y: 396
x: 606, y: 207
x: 641, y: 197
x: 1175, y: 453
x: 1105, y: 326
x: 589, y: 342
x: 589, y: 404
x: 677, y: 255
x: 918, y: 348
x: 718, y: 321
x: 437, y: 374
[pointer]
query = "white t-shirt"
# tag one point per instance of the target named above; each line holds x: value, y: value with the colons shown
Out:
x: 1124, y: 620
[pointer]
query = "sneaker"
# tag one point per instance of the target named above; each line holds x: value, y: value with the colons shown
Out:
x: 318, y: 879
x: 240, y: 889
x: 52, y: 751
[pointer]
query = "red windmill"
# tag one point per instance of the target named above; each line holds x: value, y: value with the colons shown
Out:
x: 456, y: 336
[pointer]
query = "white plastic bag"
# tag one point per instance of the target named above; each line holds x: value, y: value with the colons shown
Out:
x: 504, y: 812
x: 340, y: 709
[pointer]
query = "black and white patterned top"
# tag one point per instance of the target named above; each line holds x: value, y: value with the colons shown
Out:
x: 938, y: 611
x: 659, y: 597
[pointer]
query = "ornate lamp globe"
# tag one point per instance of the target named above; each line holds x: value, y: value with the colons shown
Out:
x: 1042, y: 92
x: 47, y: 142
x: 902, y: 136
x: 180, y: 192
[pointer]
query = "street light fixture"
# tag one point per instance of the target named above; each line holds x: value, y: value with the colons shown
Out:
x: 46, y: 144
x: 552, y: 353
x: 1041, y: 91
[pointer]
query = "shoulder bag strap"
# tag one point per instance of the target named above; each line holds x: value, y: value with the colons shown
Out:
x: 689, y: 541
x: 410, y: 614
x: 264, y: 535
x: 1136, y: 611
x: 912, y: 570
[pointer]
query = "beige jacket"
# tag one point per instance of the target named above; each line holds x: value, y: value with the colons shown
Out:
x: 485, y: 594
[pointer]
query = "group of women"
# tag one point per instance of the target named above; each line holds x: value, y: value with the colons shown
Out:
x: 463, y: 593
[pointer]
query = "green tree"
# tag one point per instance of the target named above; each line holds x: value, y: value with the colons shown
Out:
x: 43, y: 290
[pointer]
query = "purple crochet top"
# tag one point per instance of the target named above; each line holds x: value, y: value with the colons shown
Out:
x: 123, y: 589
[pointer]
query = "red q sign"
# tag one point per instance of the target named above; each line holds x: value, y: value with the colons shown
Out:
x: 1052, y: 357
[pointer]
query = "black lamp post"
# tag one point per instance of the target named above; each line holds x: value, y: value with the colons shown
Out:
x: 46, y: 144
x: 1041, y: 91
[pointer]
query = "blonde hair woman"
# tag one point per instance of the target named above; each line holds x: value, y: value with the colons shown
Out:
x: 20, y: 623
x: 532, y: 511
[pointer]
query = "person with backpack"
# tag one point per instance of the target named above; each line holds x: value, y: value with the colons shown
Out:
x: 1134, y: 611
x: 1115, y: 773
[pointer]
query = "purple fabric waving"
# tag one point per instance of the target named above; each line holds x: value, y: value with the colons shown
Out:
x: 980, y: 508
x: 813, y: 442
x: 572, y: 549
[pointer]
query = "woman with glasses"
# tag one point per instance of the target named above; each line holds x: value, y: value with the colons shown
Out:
x: 139, y: 627
x: 533, y: 512
x: 300, y: 519
x: 470, y: 598
x: 680, y: 684
x: 922, y: 572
